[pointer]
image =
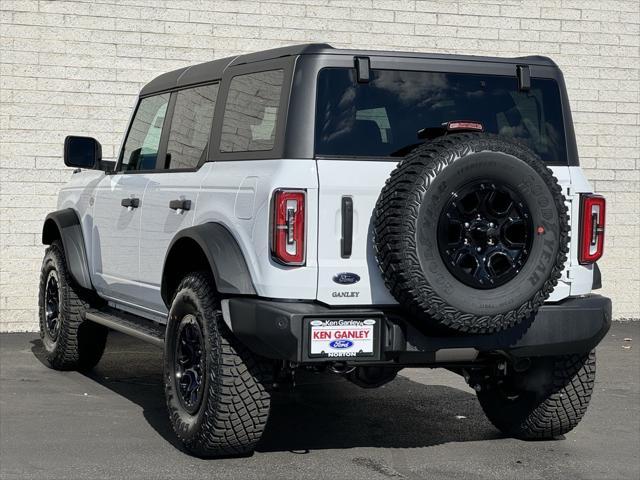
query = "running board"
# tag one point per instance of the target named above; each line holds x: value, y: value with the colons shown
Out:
x: 129, y: 324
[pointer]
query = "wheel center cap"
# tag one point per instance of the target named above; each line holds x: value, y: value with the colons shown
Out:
x: 480, y: 232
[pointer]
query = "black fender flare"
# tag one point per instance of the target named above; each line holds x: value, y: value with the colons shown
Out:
x: 65, y: 224
x: 223, y: 254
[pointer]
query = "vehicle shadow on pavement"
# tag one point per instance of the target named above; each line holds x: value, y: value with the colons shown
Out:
x: 327, y: 412
x: 323, y: 411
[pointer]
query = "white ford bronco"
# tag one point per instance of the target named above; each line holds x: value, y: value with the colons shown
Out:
x: 354, y: 211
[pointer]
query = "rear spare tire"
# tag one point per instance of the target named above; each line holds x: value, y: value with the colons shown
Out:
x: 471, y: 232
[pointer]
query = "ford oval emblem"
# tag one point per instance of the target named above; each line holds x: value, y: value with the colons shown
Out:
x: 340, y: 344
x: 346, y: 278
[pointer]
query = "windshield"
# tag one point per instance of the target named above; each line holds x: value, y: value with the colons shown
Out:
x: 383, y: 117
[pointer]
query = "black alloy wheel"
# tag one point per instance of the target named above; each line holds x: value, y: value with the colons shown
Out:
x: 52, y: 306
x: 190, y: 363
x: 484, y: 234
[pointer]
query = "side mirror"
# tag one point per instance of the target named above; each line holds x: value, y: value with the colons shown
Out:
x: 83, y: 152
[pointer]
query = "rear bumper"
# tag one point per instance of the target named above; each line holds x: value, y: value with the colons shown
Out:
x: 280, y: 330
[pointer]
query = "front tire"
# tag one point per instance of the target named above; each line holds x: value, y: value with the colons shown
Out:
x: 70, y: 341
x: 555, y: 407
x: 216, y: 389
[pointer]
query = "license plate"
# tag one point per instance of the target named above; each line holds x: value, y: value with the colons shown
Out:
x: 342, y: 338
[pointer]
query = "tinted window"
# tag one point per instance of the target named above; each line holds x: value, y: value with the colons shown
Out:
x: 251, y: 112
x: 383, y: 117
x: 190, y: 127
x: 141, y: 148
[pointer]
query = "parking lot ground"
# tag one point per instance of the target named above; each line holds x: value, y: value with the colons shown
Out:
x: 112, y: 424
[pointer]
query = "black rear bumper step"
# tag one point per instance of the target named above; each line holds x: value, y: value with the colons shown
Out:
x: 280, y: 330
x: 129, y: 324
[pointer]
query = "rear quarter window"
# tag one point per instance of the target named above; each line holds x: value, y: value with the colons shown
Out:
x: 251, y: 112
x: 383, y: 117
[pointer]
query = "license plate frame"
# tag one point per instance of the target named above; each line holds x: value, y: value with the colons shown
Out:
x: 342, y: 352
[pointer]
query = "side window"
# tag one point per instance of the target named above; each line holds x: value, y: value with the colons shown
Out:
x: 141, y: 148
x: 251, y: 113
x: 190, y: 127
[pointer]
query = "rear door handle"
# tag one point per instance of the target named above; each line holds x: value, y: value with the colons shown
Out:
x: 346, y: 242
x: 130, y: 202
x: 180, y: 204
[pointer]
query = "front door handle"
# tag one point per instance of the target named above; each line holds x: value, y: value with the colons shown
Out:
x: 180, y: 204
x: 130, y: 202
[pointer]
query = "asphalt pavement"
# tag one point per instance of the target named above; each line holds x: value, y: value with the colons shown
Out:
x: 113, y: 424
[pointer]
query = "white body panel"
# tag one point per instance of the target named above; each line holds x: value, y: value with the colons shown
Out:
x: 238, y: 195
x: 363, y: 181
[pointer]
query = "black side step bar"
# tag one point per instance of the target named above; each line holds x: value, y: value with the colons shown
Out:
x: 129, y: 324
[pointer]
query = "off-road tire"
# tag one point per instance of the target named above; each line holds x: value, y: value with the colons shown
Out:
x: 234, y: 408
x: 79, y: 343
x: 554, y: 410
x: 405, y: 222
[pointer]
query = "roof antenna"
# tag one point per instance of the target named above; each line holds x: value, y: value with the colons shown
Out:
x: 362, y: 69
x: 524, y: 78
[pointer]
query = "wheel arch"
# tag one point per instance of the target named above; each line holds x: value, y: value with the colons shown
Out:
x: 210, y: 245
x: 64, y: 225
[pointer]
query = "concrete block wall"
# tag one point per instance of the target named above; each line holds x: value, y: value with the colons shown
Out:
x: 74, y: 67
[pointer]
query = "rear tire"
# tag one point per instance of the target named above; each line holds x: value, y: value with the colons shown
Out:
x: 566, y: 385
x: 70, y: 341
x: 216, y: 389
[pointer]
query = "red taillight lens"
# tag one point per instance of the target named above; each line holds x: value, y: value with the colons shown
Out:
x: 288, y: 245
x: 592, y: 218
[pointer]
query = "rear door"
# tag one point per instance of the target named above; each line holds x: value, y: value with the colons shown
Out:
x: 171, y: 196
x: 363, y: 129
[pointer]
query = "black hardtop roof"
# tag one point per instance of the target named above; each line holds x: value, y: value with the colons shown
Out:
x: 214, y: 70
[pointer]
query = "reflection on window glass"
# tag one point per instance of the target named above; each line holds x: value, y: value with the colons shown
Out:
x: 251, y: 112
x: 383, y: 117
x: 190, y: 127
x: 379, y: 116
x: 141, y: 148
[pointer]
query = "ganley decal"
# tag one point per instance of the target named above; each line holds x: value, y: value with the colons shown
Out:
x: 346, y: 278
x: 340, y: 344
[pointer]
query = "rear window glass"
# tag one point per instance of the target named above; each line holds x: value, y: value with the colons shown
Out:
x: 383, y: 117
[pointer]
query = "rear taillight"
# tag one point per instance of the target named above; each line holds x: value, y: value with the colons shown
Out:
x: 592, y: 218
x: 288, y: 245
